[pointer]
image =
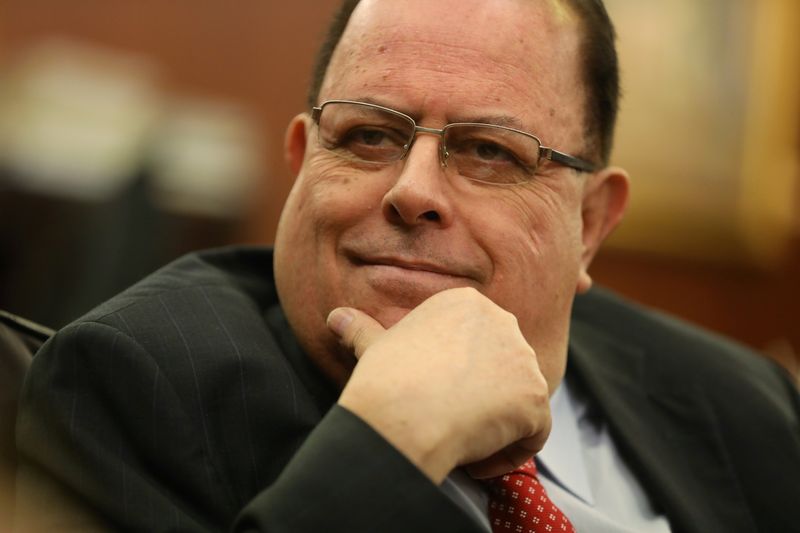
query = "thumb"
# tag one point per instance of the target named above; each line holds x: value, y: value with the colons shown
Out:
x: 356, y: 329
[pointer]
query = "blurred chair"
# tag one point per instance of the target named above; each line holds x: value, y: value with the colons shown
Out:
x: 19, y: 340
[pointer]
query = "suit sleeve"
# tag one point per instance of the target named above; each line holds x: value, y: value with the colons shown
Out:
x: 374, y: 487
x: 106, y: 443
x: 103, y: 434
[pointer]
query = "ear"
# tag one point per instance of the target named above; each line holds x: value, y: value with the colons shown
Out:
x: 295, y: 142
x: 605, y: 196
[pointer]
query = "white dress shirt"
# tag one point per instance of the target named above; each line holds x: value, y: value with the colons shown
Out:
x: 583, y: 473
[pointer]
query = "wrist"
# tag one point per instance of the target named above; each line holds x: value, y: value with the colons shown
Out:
x: 424, y: 445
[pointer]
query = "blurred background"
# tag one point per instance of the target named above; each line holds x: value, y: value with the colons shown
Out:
x: 134, y: 131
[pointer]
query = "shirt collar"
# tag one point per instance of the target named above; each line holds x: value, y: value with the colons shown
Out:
x: 562, y: 458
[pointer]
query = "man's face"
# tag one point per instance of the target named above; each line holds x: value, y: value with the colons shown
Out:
x: 383, y: 240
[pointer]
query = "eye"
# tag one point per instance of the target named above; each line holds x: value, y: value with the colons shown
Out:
x: 366, y: 136
x: 490, y: 154
x: 489, y: 151
x: 372, y: 143
x: 486, y: 152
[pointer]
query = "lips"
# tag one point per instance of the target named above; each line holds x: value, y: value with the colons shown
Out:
x: 420, y: 266
x: 448, y: 269
x: 381, y: 281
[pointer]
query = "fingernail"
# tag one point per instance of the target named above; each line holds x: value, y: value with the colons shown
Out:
x: 339, y: 319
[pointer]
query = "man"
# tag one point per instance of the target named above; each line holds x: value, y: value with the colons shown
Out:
x: 451, y: 192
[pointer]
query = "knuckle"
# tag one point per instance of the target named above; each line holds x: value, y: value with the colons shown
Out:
x: 537, y: 392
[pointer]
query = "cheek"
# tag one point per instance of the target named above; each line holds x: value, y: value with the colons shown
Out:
x: 328, y: 198
x: 545, y: 224
x: 535, y: 245
x: 325, y: 202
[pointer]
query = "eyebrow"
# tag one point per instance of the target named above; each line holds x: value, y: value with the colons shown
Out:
x: 508, y: 121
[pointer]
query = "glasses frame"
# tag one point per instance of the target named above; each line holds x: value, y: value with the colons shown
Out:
x: 545, y: 152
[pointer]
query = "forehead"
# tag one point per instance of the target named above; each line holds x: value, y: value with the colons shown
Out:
x: 461, y: 58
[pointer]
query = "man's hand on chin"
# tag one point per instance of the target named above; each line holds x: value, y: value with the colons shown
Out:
x: 454, y: 383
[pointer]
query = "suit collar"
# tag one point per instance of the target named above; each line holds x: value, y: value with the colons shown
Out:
x: 664, y: 427
x: 320, y: 389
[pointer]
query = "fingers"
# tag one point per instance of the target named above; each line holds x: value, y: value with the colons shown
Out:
x: 356, y: 330
x: 506, y: 459
x: 495, y: 465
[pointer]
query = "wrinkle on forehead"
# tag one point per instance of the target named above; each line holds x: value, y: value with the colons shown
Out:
x: 408, y: 57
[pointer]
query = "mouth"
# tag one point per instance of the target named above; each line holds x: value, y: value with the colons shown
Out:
x: 406, y: 265
x: 414, y: 266
x: 385, y: 281
x: 407, y: 280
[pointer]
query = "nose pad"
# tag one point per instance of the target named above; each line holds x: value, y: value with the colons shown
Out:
x: 443, y: 153
x: 441, y: 150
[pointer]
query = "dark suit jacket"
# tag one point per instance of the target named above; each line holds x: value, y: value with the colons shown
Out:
x: 185, y: 401
x: 19, y: 340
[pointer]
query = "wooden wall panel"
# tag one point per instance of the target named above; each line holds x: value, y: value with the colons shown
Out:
x: 257, y: 53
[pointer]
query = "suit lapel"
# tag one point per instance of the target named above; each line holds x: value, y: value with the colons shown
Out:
x: 664, y: 429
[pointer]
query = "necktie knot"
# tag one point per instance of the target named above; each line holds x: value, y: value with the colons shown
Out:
x: 519, y: 503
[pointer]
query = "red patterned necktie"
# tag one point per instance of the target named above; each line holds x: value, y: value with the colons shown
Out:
x: 518, y: 503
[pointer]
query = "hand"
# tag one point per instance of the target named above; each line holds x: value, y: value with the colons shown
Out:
x: 453, y: 383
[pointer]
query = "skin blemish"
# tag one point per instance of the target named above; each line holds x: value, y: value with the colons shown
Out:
x: 382, y: 49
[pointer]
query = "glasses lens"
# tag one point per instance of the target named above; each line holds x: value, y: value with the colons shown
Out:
x: 363, y: 132
x: 492, y: 154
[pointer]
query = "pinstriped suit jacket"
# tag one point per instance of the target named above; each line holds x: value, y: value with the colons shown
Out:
x: 172, y: 406
x: 185, y: 402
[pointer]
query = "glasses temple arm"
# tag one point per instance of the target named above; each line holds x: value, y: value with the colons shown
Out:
x: 567, y: 160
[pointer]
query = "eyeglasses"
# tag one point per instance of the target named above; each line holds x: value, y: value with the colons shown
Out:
x: 373, y: 134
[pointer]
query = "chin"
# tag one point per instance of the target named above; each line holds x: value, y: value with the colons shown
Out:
x: 389, y: 316
x: 333, y: 360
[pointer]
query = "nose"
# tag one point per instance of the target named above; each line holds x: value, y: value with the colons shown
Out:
x: 421, y: 194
